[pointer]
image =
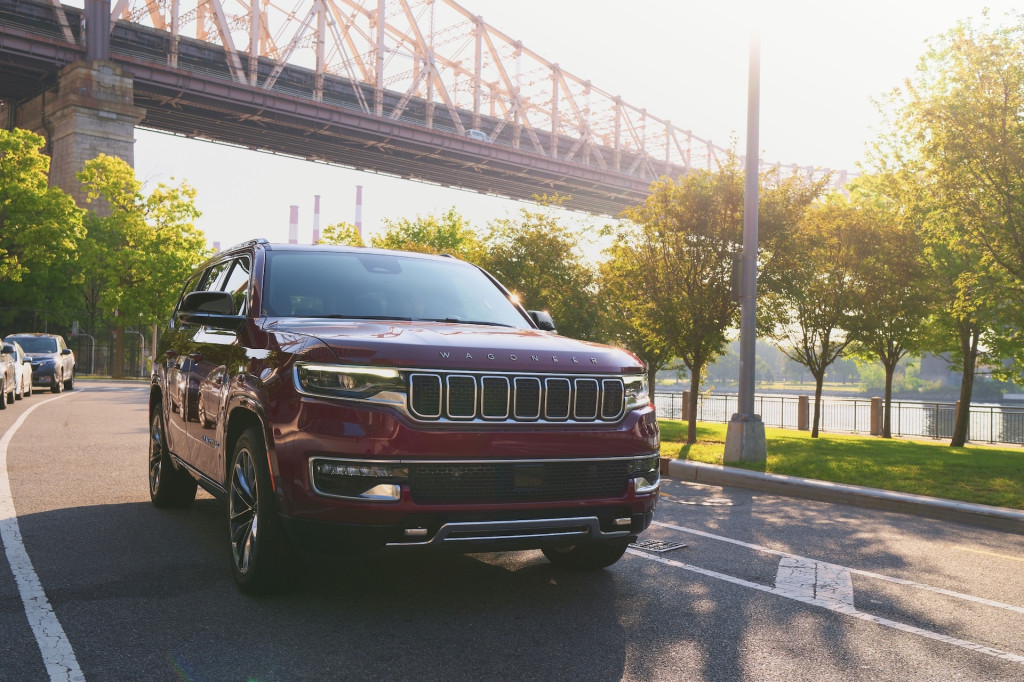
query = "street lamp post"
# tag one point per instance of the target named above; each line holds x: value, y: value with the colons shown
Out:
x: 744, y: 440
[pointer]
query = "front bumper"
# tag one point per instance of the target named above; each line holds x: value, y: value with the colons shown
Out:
x: 468, y: 533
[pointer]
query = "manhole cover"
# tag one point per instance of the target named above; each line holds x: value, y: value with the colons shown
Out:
x: 657, y: 545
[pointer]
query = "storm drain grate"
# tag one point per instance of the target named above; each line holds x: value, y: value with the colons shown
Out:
x: 656, y: 545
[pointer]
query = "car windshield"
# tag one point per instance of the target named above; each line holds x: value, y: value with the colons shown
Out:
x: 375, y: 286
x: 36, y: 344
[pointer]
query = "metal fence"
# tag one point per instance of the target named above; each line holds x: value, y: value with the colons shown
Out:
x: 988, y: 423
x: 95, y: 355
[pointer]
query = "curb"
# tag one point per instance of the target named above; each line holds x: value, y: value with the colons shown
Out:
x: 1000, y: 518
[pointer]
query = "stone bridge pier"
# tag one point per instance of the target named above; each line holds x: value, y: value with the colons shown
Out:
x: 90, y: 111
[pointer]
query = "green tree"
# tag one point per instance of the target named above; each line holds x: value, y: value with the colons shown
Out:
x: 540, y: 261
x: 448, y: 233
x: 962, y: 120
x: 679, y: 245
x: 343, y: 234
x: 820, y: 289
x: 889, y: 321
x: 140, y: 248
x: 40, y: 231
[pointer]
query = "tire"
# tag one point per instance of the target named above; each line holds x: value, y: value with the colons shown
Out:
x: 3, y: 393
x: 69, y: 384
x: 19, y: 392
x: 260, y: 550
x: 58, y: 384
x: 28, y: 391
x: 168, y: 486
x: 586, y: 557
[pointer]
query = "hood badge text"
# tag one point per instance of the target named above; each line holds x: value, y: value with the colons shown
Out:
x: 515, y: 358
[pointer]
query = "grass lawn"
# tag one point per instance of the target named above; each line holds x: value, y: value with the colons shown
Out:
x: 981, y: 474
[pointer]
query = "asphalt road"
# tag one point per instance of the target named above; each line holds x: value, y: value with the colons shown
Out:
x: 97, y: 584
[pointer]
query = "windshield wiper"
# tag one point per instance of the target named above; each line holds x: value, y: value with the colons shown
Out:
x: 459, y: 320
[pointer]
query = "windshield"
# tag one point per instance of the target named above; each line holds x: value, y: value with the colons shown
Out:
x: 374, y: 286
x: 35, y: 344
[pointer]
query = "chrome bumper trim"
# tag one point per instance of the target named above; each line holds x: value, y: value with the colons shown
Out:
x: 483, y: 532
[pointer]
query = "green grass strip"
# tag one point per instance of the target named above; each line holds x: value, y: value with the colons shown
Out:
x: 977, y: 473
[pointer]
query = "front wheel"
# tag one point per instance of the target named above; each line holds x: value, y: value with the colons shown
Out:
x: 69, y: 384
x: 259, y: 546
x: 586, y: 557
x: 58, y: 384
x: 168, y: 486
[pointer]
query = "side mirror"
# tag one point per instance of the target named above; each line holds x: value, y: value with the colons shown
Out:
x: 214, y: 309
x: 8, y: 349
x: 542, y: 319
x: 216, y: 302
x: 66, y: 351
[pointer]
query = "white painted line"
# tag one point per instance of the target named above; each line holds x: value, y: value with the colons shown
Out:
x: 855, y: 571
x: 58, y: 656
x: 815, y: 579
x: 836, y: 606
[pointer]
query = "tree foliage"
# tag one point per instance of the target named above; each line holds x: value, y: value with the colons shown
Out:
x: 448, y: 233
x: 40, y: 226
x: 343, y: 234
x: 140, y: 247
x: 890, y: 318
x: 820, y: 290
x: 540, y: 261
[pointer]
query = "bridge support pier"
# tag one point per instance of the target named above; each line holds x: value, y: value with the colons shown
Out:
x: 90, y: 112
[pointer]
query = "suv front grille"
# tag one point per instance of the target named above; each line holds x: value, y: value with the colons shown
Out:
x: 521, y: 398
x: 453, y: 483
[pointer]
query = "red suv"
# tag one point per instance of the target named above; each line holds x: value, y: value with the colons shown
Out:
x: 351, y: 399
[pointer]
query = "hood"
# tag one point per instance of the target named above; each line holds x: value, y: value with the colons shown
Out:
x: 453, y: 346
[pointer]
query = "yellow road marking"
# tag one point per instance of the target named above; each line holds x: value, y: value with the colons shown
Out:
x: 1001, y: 556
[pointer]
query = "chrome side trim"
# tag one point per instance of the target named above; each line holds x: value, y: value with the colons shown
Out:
x: 483, y: 532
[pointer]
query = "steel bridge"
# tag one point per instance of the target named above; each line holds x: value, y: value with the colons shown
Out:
x: 418, y: 89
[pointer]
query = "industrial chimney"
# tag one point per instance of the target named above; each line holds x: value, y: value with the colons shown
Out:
x: 359, y: 209
x: 316, y: 218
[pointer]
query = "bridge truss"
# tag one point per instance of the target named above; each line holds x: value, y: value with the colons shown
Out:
x: 425, y: 63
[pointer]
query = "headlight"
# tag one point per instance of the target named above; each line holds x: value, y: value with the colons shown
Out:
x: 636, y: 391
x: 342, y: 381
x: 646, y: 473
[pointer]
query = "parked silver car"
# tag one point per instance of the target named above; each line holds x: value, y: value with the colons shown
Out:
x: 53, y: 363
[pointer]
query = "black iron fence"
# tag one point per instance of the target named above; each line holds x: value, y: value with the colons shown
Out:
x: 95, y: 354
x: 988, y: 423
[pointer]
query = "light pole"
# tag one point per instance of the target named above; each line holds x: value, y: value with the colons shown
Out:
x: 744, y: 440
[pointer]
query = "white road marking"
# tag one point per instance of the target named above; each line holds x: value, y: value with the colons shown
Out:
x: 836, y: 606
x: 854, y: 571
x: 815, y: 579
x: 58, y: 656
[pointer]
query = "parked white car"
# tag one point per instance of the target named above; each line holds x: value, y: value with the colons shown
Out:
x: 22, y: 370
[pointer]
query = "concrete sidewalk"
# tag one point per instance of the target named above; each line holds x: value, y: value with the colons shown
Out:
x: 921, y: 505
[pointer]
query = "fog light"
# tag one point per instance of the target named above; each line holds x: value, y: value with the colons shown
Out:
x: 389, y: 492
x: 371, y: 481
x: 645, y: 486
x: 623, y: 522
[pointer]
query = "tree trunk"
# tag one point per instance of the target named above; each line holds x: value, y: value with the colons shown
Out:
x: 117, y: 364
x: 890, y: 370
x: 969, y: 347
x: 652, y: 380
x: 691, y: 409
x: 818, y: 381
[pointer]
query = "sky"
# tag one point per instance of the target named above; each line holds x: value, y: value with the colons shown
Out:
x: 822, y: 63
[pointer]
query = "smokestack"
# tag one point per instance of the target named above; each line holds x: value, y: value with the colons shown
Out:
x: 293, y: 226
x: 359, y: 209
x: 316, y: 218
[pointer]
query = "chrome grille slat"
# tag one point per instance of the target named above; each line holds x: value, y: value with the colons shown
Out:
x: 479, y: 396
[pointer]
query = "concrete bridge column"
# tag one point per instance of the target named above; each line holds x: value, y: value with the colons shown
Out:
x: 91, y: 112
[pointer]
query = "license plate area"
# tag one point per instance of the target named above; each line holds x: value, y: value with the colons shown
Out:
x: 527, y: 476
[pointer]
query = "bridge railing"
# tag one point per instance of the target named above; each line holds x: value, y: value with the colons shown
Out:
x: 987, y: 424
